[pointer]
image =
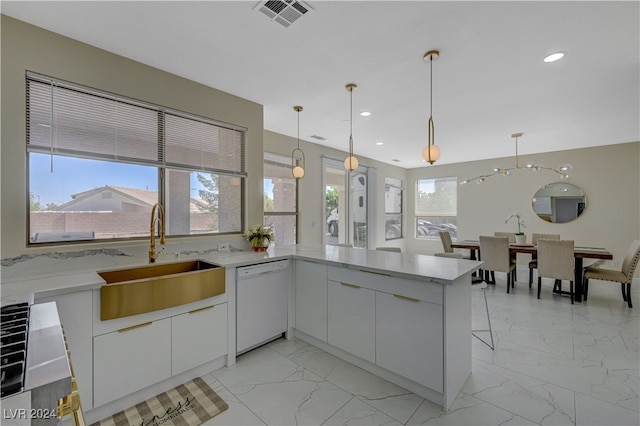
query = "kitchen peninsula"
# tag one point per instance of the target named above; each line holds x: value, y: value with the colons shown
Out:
x: 403, y: 317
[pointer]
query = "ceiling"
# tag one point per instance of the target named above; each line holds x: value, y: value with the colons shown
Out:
x: 489, y: 82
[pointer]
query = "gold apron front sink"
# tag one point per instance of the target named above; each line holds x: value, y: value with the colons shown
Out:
x: 148, y: 288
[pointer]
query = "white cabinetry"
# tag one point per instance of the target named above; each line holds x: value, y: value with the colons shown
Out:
x: 130, y: 359
x: 197, y: 337
x: 409, y: 338
x: 74, y: 309
x: 311, y: 298
x: 351, y: 319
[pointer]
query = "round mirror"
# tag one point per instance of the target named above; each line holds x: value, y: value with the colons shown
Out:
x: 559, y: 202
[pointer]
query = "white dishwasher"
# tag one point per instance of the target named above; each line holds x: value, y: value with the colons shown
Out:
x: 262, y: 293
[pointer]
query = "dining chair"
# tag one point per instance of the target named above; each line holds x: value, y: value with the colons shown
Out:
x: 477, y: 285
x: 512, y: 239
x: 395, y: 249
x: 533, y: 264
x: 445, y: 237
x: 496, y: 258
x: 624, y: 276
x: 556, y: 260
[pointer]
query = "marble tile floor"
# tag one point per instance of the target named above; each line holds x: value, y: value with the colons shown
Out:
x: 554, y: 364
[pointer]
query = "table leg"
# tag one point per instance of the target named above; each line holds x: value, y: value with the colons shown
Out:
x: 578, y: 280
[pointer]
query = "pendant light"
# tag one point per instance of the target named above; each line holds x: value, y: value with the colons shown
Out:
x: 431, y: 153
x: 351, y: 162
x: 297, y: 156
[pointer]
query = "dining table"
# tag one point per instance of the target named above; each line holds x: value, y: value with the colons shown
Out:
x: 580, y: 253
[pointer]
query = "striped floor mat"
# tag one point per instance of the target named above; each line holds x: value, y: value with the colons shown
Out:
x: 190, y: 404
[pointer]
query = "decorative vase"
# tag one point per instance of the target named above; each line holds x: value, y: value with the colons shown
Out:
x: 521, y: 238
x: 260, y: 244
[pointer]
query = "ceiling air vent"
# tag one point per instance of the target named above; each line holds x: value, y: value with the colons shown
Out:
x: 284, y: 12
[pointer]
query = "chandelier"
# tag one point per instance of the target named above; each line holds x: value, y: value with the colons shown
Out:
x: 564, y: 170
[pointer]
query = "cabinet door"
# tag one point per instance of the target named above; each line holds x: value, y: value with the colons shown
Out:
x: 409, y: 339
x: 352, y: 319
x: 198, y: 337
x: 311, y: 299
x: 75, y: 310
x: 130, y: 359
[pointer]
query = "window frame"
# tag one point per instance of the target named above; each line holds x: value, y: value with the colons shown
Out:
x: 284, y: 163
x: 431, y: 230
x: 227, y: 141
x: 395, y: 185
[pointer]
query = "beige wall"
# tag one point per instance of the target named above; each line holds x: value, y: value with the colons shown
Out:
x: 25, y: 47
x: 609, y: 175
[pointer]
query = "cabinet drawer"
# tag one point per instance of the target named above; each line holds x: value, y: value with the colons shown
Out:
x: 422, y: 290
x: 130, y: 359
x: 198, y: 337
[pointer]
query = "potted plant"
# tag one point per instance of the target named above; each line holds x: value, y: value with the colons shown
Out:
x: 521, y: 238
x: 260, y: 237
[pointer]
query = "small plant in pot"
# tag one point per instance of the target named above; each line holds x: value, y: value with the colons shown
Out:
x: 521, y: 238
x: 260, y: 237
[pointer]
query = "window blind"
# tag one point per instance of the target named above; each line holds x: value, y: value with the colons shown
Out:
x: 68, y: 119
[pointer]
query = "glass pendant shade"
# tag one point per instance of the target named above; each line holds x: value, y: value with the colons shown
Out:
x: 431, y: 153
x: 351, y: 163
x: 298, y: 172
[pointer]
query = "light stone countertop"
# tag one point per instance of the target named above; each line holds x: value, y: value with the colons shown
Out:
x: 416, y: 267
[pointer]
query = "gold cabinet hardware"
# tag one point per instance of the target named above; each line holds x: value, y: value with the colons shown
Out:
x: 350, y: 285
x: 377, y: 273
x: 410, y: 299
x: 201, y: 309
x: 133, y: 327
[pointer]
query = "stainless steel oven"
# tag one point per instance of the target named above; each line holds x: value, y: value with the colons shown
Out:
x: 37, y: 381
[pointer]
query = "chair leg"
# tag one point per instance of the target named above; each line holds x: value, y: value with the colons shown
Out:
x: 624, y: 295
x: 585, y: 288
x: 539, y: 286
x: 493, y: 277
x: 571, y: 290
x: 490, y: 330
x: 508, y: 281
x: 629, y: 295
x: 530, y: 277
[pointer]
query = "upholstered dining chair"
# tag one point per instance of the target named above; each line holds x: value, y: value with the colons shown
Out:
x: 395, y: 249
x: 445, y: 238
x: 556, y: 260
x: 533, y: 264
x: 495, y: 255
x: 512, y: 239
x: 624, y: 276
x: 477, y: 285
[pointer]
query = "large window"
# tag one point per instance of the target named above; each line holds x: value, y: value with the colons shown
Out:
x: 97, y: 163
x: 436, y: 207
x: 280, y: 198
x: 392, y: 208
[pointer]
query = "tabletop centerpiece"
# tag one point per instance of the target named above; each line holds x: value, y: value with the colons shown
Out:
x: 521, y: 238
x: 260, y: 237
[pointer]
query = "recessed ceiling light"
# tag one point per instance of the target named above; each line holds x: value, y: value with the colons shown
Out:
x: 365, y: 113
x: 555, y: 56
x: 379, y: 143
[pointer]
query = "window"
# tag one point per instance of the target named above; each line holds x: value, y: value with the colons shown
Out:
x: 280, y: 198
x: 98, y: 162
x: 392, y: 208
x: 436, y: 207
